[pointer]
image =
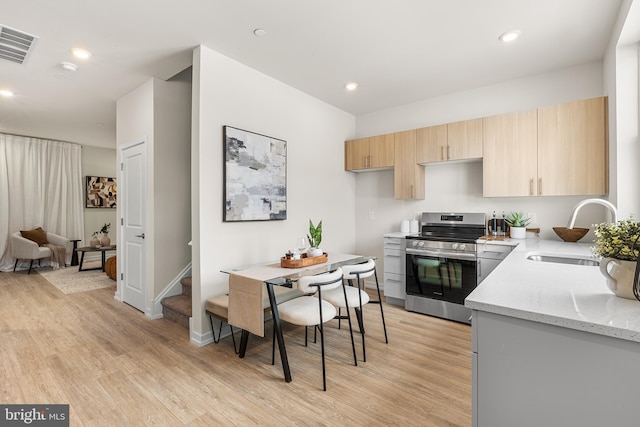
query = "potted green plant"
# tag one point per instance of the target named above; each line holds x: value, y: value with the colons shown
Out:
x: 106, y: 240
x: 619, y: 245
x: 517, y: 225
x: 314, y: 237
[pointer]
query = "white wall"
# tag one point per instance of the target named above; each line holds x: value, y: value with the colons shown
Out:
x: 458, y: 186
x: 226, y: 92
x: 98, y: 162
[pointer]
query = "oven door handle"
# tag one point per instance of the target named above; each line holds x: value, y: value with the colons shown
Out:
x: 442, y: 254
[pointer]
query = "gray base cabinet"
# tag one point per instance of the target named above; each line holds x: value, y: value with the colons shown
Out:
x: 394, y: 254
x: 530, y: 374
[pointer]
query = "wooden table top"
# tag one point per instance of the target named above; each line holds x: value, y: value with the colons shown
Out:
x: 97, y: 249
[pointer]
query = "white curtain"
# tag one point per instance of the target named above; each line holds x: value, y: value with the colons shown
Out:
x: 40, y: 185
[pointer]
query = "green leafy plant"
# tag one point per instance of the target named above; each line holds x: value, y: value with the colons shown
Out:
x: 315, y: 234
x: 517, y: 219
x: 104, y: 230
x: 618, y: 240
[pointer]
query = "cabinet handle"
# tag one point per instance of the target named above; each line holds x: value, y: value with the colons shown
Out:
x: 412, y: 192
x: 531, y: 187
x: 479, y: 268
x: 539, y: 186
x: 448, y: 153
x: 370, y: 161
x: 442, y: 152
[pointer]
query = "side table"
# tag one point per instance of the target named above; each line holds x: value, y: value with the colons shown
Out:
x: 74, y: 254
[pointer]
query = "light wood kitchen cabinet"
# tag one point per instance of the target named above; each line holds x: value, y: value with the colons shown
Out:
x: 552, y: 151
x: 510, y: 156
x: 572, y: 148
x: 375, y: 152
x: 452, y: 141
x: 408, y: 175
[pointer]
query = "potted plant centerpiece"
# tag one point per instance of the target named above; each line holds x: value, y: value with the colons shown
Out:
x: 618, y: 245
x: 517, y: 225
x: 314, y: 237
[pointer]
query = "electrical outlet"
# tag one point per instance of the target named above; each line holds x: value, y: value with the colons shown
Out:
x: 372, y: 215
x: 532, y: 216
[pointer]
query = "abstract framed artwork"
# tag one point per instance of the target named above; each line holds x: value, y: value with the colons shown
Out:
x: 101, y: 192
x: 255, y: 176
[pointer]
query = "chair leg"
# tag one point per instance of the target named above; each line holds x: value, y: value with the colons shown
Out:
x: 15, y: 266
x: 360, y: 319
x: 324, y: 371
x: 273, y: 346
x: 384, y: 325
x: 213, y: 332
x: 31, y: 265
x: 353, y: 344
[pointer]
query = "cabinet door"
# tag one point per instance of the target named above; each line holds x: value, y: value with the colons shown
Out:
x: 509, y: 164
x: 408, y: 175
x: 381, y: 151
x: 572, y: 148
x: 464, y: 140
x: 431, y: 144
x: 356, y: 154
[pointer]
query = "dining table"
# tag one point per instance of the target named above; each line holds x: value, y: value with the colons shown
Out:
x: 247, y: 288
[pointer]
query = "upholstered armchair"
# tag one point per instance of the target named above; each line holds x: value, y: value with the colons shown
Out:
x: 25, y: 249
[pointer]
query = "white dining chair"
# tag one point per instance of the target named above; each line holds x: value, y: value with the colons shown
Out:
x: 308, y: 310
x: 356, y: 296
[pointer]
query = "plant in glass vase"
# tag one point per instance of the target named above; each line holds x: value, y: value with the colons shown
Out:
x: 617, y: 244
x: 314, y: 237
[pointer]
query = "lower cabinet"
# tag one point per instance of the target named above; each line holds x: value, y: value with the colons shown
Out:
x: 394, y: 275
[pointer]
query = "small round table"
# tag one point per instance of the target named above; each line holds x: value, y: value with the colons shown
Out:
x: 102, y: 249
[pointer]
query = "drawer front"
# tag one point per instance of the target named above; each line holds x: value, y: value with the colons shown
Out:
x: 393, y: 261
x: 394, y: 243
x: 394, y: 285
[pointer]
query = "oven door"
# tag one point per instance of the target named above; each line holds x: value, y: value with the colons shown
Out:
x: 447, y: 276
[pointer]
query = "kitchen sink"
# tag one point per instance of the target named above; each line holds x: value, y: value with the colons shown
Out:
x: 562, y: 259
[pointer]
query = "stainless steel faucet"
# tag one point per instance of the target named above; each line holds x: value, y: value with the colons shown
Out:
x: 612, y: 208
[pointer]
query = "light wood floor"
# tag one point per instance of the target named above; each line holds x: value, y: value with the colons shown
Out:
x: 116, y: 368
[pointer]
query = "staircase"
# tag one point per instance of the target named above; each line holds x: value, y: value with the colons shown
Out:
x: 178, y: 307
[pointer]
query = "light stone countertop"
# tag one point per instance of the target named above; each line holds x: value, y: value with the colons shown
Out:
x: 569, y: 296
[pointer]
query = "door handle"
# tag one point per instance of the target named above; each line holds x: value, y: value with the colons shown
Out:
x: 140, y: 235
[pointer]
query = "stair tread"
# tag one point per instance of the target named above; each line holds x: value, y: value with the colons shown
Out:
x: 179, y: 303
x: 186, y: 281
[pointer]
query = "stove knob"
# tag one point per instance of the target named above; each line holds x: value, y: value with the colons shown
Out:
x: 415, y: 243
x: 421, y: 243
x: 454, y: 246
x: 462, y: 247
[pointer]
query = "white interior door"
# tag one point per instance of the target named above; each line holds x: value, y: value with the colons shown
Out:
x: 133, y: 203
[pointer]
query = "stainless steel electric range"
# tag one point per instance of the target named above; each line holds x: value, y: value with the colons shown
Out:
x: 441, y: 264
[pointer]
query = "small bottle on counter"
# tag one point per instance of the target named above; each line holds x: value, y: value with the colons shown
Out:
x: 494, y: 225
x: 504, y: 224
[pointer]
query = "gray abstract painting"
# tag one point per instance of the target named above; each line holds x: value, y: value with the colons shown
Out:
x: 255, y: 170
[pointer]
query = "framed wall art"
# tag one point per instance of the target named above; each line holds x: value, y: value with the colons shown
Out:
x: 255, y: 176
x: 101, y: 192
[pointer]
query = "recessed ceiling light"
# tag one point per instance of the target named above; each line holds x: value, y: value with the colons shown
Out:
x: 81, y: 53
x: 351, y: 86
x: 509, y: 36
x: 6, y: 93
x: 259, y: 32
x: 69, y: 66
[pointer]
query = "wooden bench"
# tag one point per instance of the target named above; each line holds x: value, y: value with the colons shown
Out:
x: 218, y: 307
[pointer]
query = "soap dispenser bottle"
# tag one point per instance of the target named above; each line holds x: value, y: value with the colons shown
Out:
x: 494, y: 224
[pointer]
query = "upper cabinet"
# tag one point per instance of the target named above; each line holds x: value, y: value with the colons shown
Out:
x: 452, y: 141
x: 552, y: 151
x: 572, y: 148
x: 510, y: 156
x: 408, y: 176
x: 374, y: 152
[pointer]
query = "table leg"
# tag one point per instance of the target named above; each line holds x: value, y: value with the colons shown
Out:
x: 74, y: 254
x: 244, y: 339
x: 104, y: 257
x: 278, y: 328
x: 81, y: 262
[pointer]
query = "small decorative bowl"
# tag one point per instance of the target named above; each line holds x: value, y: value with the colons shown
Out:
x: 570, y: 234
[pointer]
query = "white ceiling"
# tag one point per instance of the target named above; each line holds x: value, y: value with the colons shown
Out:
x: 399, y: 51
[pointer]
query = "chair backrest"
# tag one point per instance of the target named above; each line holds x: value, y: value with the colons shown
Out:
x: 359, y: 270
x: 310, y: 284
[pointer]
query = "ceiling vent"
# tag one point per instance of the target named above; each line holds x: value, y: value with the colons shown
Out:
x: 15, y: 46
